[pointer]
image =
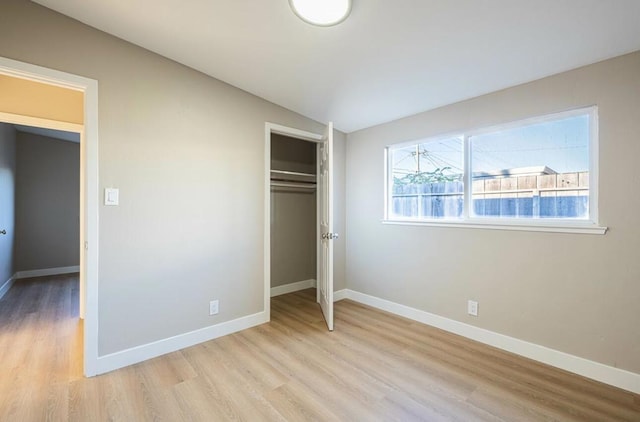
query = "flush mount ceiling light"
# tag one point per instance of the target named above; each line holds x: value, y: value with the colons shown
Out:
x: 321, y: 12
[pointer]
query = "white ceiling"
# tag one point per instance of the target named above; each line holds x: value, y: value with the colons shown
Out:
x: 388, y: 60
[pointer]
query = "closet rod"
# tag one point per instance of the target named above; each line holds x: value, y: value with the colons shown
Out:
x: 293, y: 173
x: 294, y: 185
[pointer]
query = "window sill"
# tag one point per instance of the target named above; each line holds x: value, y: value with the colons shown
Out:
x: 584, y: 228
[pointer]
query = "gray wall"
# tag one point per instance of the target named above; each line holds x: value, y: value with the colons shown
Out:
x: 293, y: 214
x: 7, y: 200
x: 187, y: 153
x: 47, y: 203
x: 574, y: 293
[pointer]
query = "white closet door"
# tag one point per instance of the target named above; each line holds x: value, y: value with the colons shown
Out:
x: 325, y: 255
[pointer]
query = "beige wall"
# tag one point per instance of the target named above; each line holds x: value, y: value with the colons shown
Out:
x: 293, y: 236
x: 339, y: 210
x: 7, y: 200
x: 180, y: 146
x: 47, y: 203
x: 292, y: 154
x: 574, y: 293
x: 293, y: 214
x: 28, y: 98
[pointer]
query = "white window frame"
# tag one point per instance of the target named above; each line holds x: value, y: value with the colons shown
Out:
x: 561, y: 225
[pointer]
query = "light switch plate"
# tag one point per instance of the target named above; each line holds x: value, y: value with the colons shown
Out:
x: 472, y: 308
x: 111, y: 196
x: 213, y: 307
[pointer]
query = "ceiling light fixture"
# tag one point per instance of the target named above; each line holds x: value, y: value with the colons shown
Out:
x: 321, y: 12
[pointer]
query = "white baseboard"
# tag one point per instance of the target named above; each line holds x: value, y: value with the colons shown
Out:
x: 620, y: 378
x: 117, y: 360
x: 339, y: 295
x: 143, y: 352
x: 6, y: 286
x: 47, y: 271
x: 292, y: 287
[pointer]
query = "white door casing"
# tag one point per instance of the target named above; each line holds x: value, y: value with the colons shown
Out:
x: 89, y: 194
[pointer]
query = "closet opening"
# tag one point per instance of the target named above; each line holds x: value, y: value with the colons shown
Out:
x: 298, y: 220
x: 293, y: 214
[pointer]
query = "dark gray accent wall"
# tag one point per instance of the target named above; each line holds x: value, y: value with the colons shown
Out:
x: 47, y: 203
x: 7, y: 200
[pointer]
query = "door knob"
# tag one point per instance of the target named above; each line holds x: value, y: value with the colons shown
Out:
x: 332, y: 235
x: 3, y: 231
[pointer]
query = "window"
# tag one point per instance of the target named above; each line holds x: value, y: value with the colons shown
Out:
x: 427, y: 179
x: 537, y: 172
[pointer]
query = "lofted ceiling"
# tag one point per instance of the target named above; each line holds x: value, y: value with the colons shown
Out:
x: 388, y: 60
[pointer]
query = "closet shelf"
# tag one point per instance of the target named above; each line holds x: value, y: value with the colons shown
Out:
x: 293, y: 179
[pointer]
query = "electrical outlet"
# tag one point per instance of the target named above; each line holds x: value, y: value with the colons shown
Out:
x: 213, y: 307
x: 472, y: 308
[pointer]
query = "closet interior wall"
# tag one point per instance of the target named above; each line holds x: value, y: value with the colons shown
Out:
x: 293, y: 210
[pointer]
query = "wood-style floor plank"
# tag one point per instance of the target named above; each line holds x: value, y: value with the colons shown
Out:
x: 374, y: 366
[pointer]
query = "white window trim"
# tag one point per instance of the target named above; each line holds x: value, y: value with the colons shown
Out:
x: 586, y: 226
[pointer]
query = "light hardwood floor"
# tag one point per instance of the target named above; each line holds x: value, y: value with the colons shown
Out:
x: 374, y: 366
